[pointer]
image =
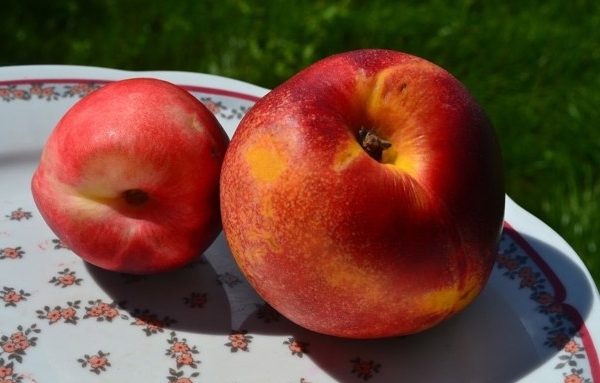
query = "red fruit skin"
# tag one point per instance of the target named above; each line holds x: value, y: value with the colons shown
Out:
x: 139, y: 133
x: 343, y: 244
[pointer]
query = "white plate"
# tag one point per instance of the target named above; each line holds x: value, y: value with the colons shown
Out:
x: 538, y: 319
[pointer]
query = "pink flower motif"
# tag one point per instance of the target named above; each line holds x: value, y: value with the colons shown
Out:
x: 525, y: 272
x: 528, y: 281
x: 111, y: 313
x: 102, y: 311
x: 571, y: 347
x: 18, y: 337
x: 68, y: 313
x: 545, y: 299
x: 53, y: 315
x: 35, y: 90
x: 512, y: 264
x: 296, y: 347
x: 212, y: 106
x: 67, y: 279
x: 556, y: 308
x: 573, y: 378
x: 12, y: 297
x: 19, y: 94
x: 238, y: 340
x: 180, y: 347
x: 5, y: 93
x: 94, y: 311
x: 185, y: 359
x: 22, y: 345
x: 9, y: 347
x: 19, y: 214
x: 48, y: 91
x: 96, y: 361
x: 11, y: 252
x: 5, y: 371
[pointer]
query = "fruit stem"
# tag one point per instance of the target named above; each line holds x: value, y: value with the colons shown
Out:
x: 372, y: 144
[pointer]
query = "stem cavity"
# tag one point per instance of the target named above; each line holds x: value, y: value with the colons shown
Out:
x: 372, y: 144
x: 135, y: 197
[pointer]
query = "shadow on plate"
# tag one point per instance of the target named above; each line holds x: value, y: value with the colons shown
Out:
x: 191, y: 299
x: 505, y: 335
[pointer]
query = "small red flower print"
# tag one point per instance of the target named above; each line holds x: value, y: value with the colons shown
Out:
x: 19, y: 94
x: 97, y: 363
x: 238, y: 340
x: 176, y: 376
x: 11, y: 252
x: 196, y: 300
x: 267, y: 313
x: 525, y: 272
x: 11, y: 297
x: 556, y: 308
x: 5, y: 94
x: 213, y: 106
x: 80, y: 90
x: 36, y: 89
x: 53, y: 316
x: 364, y: 369
x: 544, y: 299
x: 571, y: 347
x: 180, y: 347
x: 184, y: 359
x: 228, y: 279
x: 558, y: 341
x: 150, y: 322
x: 47, y: 93
x: 19, y: 214
x: 103, y: 311
x: 65, y: 278
x: 181, y: 351
x: 573, y: 352
x: 296, y: 347
x: 512, y: 264
x: 67, y: 314
x: 9, y: 347
x: 573, y: 378
x: 7, y: 373
x: 58, y: 244
x: 16, y: 344
x: 528, y: 281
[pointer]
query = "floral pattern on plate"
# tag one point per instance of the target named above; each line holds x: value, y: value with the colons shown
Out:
x: 205, y: 323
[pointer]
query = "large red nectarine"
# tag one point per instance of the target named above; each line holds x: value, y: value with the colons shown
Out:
x: 364, y: 197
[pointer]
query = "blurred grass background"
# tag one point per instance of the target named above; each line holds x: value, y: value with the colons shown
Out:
x: 533, y: 65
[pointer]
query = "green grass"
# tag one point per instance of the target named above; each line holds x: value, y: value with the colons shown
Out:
x: 533, y: 65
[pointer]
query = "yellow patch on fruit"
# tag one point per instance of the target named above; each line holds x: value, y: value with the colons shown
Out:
x: 407, y: 162
x: 451, y: 299
x: 346, y: 275
x: 266, y: 162
x: 346, y: 154
x: 262, y: 243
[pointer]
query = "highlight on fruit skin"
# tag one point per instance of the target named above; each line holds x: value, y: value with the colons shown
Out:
x: 364, y: 197
x: 129, y: 177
